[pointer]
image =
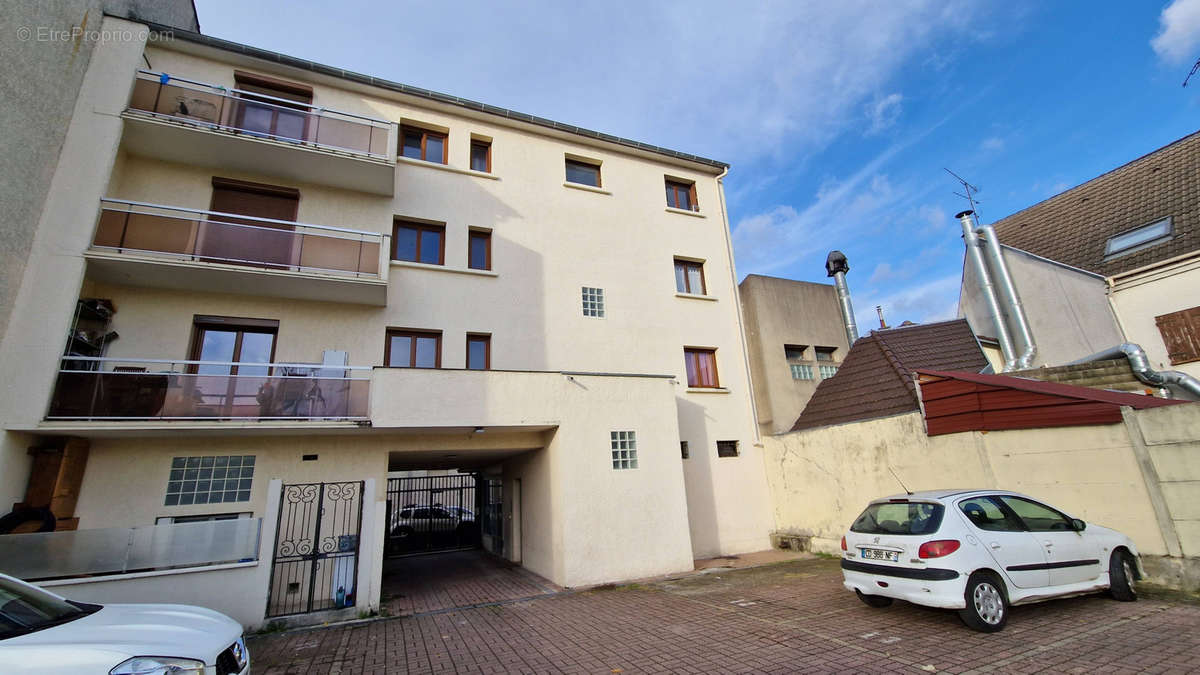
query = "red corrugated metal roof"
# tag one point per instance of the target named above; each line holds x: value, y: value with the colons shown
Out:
x: 1136, y: 401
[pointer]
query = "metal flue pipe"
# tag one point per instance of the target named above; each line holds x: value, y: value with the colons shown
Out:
x: 1139, y: 363
x: 1010, y: 297
x: 975, y: 256
x: 836, y: 266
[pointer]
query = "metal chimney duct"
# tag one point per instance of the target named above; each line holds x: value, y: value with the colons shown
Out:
x: 1008, y: 292
x: 836, y: 267
x: 975, y: 257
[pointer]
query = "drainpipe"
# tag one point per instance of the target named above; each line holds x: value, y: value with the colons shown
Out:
x: 975, y: 256
x: 1140, y: 365
x: 1008, y: 292
x: 836, y: 267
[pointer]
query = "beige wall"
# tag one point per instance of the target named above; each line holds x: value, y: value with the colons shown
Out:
x: 1139, y: 297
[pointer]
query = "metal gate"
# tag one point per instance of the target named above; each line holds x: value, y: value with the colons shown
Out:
x: 432, y: 513
x: 315, y: 565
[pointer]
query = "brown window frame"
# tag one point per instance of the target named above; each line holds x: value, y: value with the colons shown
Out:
x: 687, y: 284
x: 695, y: 352
x: 487, y: 154
x: 584, y: 164
x: 425, y: 134
x: 737, y: 451
x: 486, y: 235
x: 1180, y: 332
x: 677, y: 186
x: 398, y: 223
x: 413, y: 333
x: 486, y: 339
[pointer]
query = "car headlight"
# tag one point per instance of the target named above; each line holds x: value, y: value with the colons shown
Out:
x: 240, y: 655
x: 158, y: 665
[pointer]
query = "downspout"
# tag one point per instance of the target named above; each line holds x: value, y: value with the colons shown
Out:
x: 989, y: 291
x: 1008, y: 291
x: 1140, y: 364
x: 737, y: 304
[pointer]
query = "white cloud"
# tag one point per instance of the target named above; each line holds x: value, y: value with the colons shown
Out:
x: 922, y: 302
x: 1179, y: 35
x: 882, y: 113
x: 992, y: 144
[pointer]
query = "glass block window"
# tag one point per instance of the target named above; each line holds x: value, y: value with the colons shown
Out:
x: 593, y: 301
x: 210, y: 480
x: 802, y: 372
x: 827, y: 371
x: 624, y: 449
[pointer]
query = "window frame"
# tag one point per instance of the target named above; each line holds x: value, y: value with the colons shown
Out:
x: 737, y: 450
x: 487, y: 155
x: 486, y: 235
x: 486, y: 339
x: 406, y: 129
x: 688, y: 264
x: 676, y: 186
x: 182, y: 480
x: 420, y: 226
x: 229, y: 324
x: 583, y: 163
x: 1167, y: 225
x: 627, y: 437
x: 412, y: 333
x: 1003, y: 500
x: 596, y: 297
x: 688, y: 354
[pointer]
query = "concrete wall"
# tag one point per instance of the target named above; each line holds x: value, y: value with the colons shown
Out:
x: 1067, y: 308
x: 780, y: 312
x: 1139, y: 296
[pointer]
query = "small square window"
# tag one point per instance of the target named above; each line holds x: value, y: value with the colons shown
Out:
x: 681, y: 195
x: 683, y: 449
x: 593, y: 302
x: 419, y: 242
x: 827, y: 371
x: 689, y: 277
x: 727, y: 448
x: 623, y: 445
x: 481, y: 156
x: 701, y: 367
x: 801, y: 371
x: 199, y: 485
x: 825, y: 353
x: 423, y: 144
x: 583, y: 173
x: 794, y: 353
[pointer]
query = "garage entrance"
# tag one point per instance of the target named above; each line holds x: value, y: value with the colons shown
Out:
x: 428, y: 514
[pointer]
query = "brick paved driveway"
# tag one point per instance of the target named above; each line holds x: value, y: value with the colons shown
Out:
x: 785, y: 618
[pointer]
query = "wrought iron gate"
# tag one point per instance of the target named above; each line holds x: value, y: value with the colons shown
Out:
x: 432, y: 513
x: 315, y: 566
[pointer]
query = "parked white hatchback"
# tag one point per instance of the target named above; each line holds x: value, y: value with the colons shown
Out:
x: 44, y: 634
x: 979, y: 552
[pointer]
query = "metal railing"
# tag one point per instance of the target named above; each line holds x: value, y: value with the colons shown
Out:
x: 213, y: 236
x: 114, y: 389
x: 259, y: 115
x: 119, y: 550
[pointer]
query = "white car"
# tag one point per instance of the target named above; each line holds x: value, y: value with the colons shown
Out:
x: 44, y: 634
x: 980, y: 551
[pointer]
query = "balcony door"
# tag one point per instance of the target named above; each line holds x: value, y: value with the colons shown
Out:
x: 226, y: 388
x: 271, y: 107
x: 241, y: 241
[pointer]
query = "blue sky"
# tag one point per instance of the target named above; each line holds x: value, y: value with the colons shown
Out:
x: 838, y: 117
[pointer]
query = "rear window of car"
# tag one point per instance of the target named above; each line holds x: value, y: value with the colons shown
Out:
x: 899, y: 518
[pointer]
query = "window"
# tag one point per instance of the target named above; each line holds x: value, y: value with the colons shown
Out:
x: 259, y: 242
x: 1181, y: 334
x: 624, y: 449
x: 689, y: 277
x: 681, y: 195
x: 727, y: 448
x: 827, y: 371
x: 417, y: 143
x: 825, y: 353
x: 413, y: 349
x: 986, y: 514
x: 419, y: 242
x: 481, y: 155
x: 479, y: 250
x: 479, y: 352
x: 209, y: 480
x: 583, y: 173
x: 701, y: 367
x: 204, y: 518
x: 1037, y: 518
x: 794, y: 353
x: 683, y: 449
x: 593, y: 302
x: 899, y: 518
x: 227, y: 342
x: 1140, y: 238
x: 801, y: 371
x: 272, y: 107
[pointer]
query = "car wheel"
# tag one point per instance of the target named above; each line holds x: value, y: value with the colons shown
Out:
x: 1121, y: 575
x: 873, y: 600
x: 987, y: 604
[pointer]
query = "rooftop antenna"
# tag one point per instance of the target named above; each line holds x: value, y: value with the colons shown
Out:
x: 906, y: 490
x: 1194, y: 69
x: 968, y: 193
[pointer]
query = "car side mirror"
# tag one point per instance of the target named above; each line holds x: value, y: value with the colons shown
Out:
x: 1078, y: 525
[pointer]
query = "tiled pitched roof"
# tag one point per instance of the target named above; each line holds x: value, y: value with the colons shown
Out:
x: 1074, y: 227
x: 875, y: 379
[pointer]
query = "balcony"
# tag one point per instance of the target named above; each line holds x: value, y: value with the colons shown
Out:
x: 143, y: 244
x: 189, y: 122
x: 100, y: 389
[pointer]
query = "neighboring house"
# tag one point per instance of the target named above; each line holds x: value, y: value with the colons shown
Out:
x: 1116, y: 259
x: 275, y: 282
x: 876, y: 377
x: 796, y: 339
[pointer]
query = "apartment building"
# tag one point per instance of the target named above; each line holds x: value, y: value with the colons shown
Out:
x: 260, y: 284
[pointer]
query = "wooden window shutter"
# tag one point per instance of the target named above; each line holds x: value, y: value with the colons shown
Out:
x: 1181, y: 334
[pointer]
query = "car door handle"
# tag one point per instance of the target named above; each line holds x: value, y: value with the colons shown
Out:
x: 995, y: 546
x: 1048, y: 544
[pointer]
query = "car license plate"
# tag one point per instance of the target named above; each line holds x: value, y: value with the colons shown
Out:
x: 880, y: 554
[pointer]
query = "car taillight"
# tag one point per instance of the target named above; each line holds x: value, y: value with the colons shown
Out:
x: 937, y: 549
x: 844, y: 542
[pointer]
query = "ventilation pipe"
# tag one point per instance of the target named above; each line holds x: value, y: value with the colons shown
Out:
x: 836, y: 267
x: 1140, y: 364
x: 975, y: 257
x: 1008, y: 294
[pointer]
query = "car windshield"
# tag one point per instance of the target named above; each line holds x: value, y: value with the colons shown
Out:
x: 25, y: 608
x: 899, y: 518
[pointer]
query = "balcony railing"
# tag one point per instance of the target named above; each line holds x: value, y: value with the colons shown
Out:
x: 111, y: 389
x: 212, y: 236
x: 259, y: 115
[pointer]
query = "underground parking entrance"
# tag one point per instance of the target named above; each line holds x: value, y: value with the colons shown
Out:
x: 452, y: 534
